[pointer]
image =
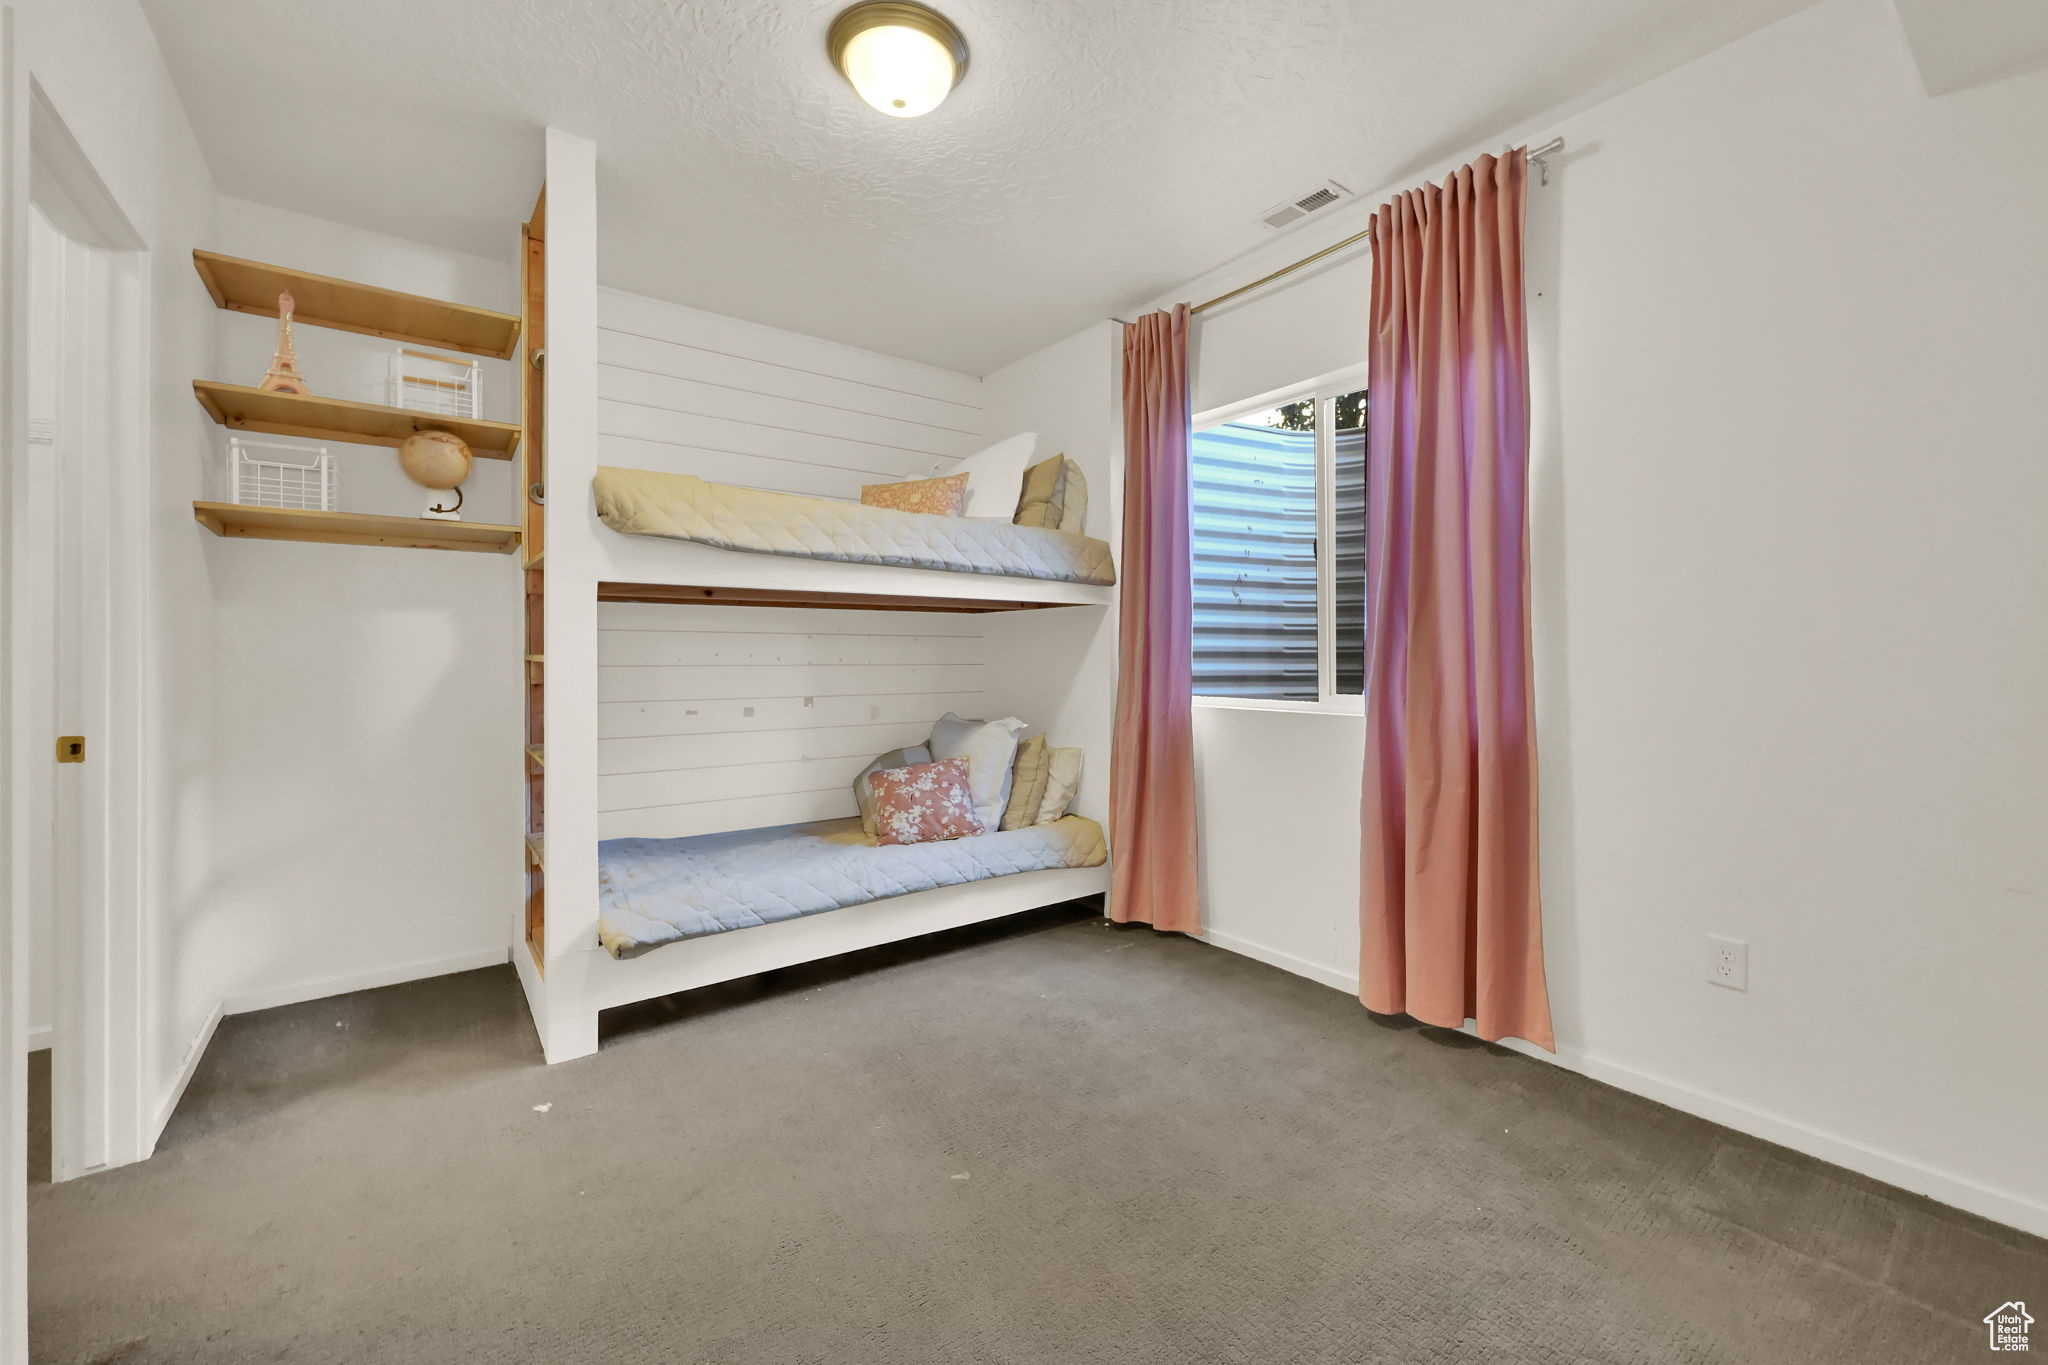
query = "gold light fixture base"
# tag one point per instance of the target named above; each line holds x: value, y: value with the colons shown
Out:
x: 858, y: 19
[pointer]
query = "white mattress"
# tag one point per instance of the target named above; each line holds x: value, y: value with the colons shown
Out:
x: 643, y: 502
x: 657, y: 891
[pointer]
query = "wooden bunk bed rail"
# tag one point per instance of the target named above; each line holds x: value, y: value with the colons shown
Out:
x: 806, y: 597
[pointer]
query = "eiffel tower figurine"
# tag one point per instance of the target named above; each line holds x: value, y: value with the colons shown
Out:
x: 283, y: 375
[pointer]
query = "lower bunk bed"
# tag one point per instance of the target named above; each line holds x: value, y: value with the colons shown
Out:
x: 658, y: 891
x: 729, y: 905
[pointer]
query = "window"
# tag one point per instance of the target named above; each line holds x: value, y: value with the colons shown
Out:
x: 1278, y: 499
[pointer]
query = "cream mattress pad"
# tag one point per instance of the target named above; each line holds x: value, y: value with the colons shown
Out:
x: 644, y: 502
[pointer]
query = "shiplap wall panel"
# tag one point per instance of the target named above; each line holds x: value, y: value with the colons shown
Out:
x: 637, y: 720
x: 734, y: 402
x: 617, y: 757
x: 696, y: 786
x: 725, y: 466
x: 653, y: 647
x: 714, y: 817
x: 621, y: 311
x: 718, y: 718
x: 753, y: 438
x: 771, y: 406
x: 629, y: 351
x: 746, y: 682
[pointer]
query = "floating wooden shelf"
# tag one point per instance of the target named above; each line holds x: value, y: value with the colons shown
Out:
x: 337, y: 419
x: 537, y: 754
x: 322, y: 301
x: 536, y: 849
x: 353, y: 528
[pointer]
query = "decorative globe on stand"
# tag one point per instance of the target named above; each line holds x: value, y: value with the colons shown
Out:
x: 439, y: 460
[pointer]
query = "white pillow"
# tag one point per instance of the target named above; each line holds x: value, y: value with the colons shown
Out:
x: 990, y: 748
x: 995, y: 475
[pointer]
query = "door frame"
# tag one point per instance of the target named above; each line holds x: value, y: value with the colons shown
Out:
x: 100, y: 1109
x: 13, y: 914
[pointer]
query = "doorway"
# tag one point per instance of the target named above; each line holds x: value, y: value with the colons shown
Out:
x: 78, y: 529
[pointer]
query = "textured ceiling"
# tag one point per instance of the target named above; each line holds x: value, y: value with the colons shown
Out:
x: 1097, y: 153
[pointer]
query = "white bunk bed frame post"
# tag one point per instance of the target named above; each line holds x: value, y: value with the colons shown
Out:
x: 1068, y: 395
x: 566, y: 1023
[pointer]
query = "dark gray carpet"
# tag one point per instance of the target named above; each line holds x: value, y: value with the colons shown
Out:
x: 1051, y: 1141
x: 39, y: 1117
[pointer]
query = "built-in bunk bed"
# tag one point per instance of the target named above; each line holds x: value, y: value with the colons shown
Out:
x: 663, y: 881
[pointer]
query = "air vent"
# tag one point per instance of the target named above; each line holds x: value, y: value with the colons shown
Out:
x: 1294, y: 210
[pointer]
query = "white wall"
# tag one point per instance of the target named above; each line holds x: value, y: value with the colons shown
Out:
x: 1058, y: 666
x: 366, y: 700
x: 735, y: 402
x: 718, y: 718
x: 1790, y: 585
x: 97, y: 62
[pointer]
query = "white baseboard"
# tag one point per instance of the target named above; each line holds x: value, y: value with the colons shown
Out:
x: 2000, y: 1206
x: 292, y: 995
x: 169, y: 1105
x: 1286, y: 962
x: 270, y: 997
x: 1957, y: 1191
x: 38, y: 1038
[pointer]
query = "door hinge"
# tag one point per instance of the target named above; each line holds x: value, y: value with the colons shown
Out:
x: 71, y: 748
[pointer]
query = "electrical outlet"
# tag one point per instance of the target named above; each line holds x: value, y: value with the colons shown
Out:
x: 1728, y: 962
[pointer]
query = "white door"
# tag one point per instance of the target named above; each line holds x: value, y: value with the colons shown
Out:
x: 61, y: 672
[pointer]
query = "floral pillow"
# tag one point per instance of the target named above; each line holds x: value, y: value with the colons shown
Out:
x: 923, y: 802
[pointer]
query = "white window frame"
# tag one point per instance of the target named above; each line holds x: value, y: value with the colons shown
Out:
x: 1325, y: 391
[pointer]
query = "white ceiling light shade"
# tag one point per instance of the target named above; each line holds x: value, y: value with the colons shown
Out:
x: 901, y: 58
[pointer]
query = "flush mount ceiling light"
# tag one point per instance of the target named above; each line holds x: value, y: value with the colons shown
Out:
x: 901, y: 58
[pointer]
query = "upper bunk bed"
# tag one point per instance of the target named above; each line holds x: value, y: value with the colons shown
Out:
x: 676, y: 537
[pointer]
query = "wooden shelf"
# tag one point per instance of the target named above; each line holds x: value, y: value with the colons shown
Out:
x: 322, y: 301
x: 337, y: 419
x: 353, y: 528
x: 537, y: 754
x: 536, y: 849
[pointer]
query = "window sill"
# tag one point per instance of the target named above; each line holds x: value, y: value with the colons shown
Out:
x: 1329, y: 706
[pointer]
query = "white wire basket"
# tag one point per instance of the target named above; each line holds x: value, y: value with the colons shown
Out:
x: 277, y: 474
x: 444, y: 384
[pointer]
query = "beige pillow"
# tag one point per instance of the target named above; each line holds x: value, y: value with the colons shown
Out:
x: 1076, y: 511
x: 1055, y: 495
x: 1062, y: 780
x: 945, y: 497
x: 1027, y: 784
x: 864, y: 796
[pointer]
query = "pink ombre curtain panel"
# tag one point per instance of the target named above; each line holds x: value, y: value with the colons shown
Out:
x: 1451, y: 916
x: 1152, y: 757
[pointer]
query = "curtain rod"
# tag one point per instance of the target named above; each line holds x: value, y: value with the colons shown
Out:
x: 1538, y: 155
